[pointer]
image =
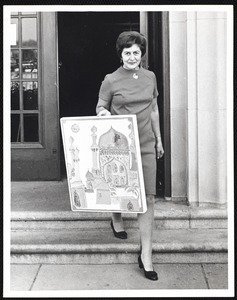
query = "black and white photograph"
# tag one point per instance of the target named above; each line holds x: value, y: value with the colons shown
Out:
x: 118, y: 151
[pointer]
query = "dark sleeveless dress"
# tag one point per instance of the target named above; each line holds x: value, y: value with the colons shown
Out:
x: 132, y: 92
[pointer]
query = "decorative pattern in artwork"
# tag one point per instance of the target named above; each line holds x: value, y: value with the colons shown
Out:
x: 103, y: 164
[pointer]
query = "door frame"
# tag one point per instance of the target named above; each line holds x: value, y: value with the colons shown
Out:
x: 166, y: 91
x: 144, y: 29
x: 40, y: 161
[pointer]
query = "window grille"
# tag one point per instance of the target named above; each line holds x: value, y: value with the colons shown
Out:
x: 25, y: 80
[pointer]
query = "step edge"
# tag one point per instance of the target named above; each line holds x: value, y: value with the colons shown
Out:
x: 68, y: 216
x: 115, y: 248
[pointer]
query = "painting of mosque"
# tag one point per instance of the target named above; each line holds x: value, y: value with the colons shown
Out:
x: 103, y: 163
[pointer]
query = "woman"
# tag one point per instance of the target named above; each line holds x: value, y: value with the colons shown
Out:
x: 133, y: 90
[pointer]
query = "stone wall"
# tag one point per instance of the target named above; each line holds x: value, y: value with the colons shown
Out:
x: 198, y: 107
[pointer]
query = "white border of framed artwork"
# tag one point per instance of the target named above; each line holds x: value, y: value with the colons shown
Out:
x: 103, y: 164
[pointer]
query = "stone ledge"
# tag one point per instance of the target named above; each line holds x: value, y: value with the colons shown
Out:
x: 120, y: 258
x: 105, y: 224
x: 166, y: 211
x: 115, y: 248
x: 103, y: 241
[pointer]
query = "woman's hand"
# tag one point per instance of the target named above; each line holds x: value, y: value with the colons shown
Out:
x: 155, y: 123
x: 102, y: 108
x: 159, y: 148
x: 103, y: 112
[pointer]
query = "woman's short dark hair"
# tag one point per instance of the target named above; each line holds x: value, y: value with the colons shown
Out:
x: 128, y: 38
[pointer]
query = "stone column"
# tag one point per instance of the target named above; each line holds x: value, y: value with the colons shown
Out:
x: 192, y: 110
x: 211, y: 108
x: 198, y: 107
x: 178, y: 103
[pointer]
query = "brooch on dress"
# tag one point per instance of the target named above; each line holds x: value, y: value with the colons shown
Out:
x: 135, y: 76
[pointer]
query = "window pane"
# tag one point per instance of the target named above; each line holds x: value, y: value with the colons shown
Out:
x: 15, y: 21
x: 15, y: 128
x: 28, y: 13
x: 31, y: 128
x: 29, y: 32
x: 14, y: 13
x: 29, y: 64
x: 14, y: 64
x: 30, y: 95
x: 15, y: 92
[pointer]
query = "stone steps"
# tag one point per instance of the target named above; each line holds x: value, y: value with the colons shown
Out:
x: 45, y: 230
x: 167, y: 216
x: 101, y: 247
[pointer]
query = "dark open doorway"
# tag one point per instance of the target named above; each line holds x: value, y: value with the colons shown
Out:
x: 86, y: 54
x: 86, y: 43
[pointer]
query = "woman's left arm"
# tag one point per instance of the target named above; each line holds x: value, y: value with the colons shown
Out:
x: 155, y: 122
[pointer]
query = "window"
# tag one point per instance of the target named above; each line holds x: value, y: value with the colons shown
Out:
x: 115, y: 168
x: 25, y: 106
x: 121, y: 169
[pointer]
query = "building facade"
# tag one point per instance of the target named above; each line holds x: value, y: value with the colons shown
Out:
x: 60, y: 58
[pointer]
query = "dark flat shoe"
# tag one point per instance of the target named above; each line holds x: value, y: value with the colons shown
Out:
x: 152, y: 275
x: 120, y: 234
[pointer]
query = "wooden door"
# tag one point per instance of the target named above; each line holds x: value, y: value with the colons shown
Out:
x: 34, y: 98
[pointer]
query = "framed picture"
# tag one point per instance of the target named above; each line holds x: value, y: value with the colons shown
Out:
x: 103, y: 163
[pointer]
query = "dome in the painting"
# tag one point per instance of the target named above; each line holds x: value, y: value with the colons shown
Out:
x: 113, y: 139
x: 89, y: 175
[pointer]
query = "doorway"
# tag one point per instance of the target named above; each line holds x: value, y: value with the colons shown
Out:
x: 86, y: 45
x: 86, y: 54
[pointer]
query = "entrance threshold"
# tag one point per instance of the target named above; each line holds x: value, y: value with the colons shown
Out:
x: 42, y: 196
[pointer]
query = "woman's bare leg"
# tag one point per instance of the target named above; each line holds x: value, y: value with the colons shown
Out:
x: 117, y: 222
x: 146, y: 222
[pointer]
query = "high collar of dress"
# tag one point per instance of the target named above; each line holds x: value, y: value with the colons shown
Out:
x: 130, y: 71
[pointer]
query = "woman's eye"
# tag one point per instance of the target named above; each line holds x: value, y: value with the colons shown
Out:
x: 136, y: 53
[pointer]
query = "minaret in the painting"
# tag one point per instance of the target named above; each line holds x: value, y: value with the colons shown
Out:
x: 78, y: 188
x: 94, y: 149
x: 76, y: 178
x: 133, y: 160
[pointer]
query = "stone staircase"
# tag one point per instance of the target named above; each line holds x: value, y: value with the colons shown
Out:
x: 45, y: 230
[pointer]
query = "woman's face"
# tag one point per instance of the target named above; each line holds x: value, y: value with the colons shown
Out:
x: 131, y: 57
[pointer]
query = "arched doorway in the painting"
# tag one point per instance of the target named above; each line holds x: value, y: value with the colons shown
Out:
x: 86, y: 49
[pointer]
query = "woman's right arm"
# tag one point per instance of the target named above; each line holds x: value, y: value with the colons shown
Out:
x: 102, y: 108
